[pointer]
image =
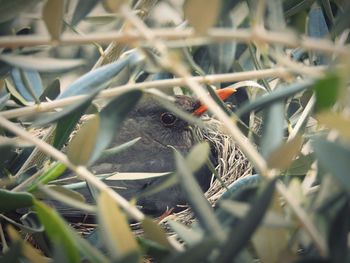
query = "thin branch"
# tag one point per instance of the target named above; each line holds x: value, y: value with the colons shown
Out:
x: 166, y: 83
x: 115, y: 48
x: 248, y: 149
x: 303, y: 117
x: 178, y: 69
x: 286, y: 39
x: 80, y: 170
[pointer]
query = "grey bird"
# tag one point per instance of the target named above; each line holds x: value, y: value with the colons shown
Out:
x: 158, y: 129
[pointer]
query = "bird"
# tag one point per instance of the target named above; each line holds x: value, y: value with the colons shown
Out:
x: 160, y: 132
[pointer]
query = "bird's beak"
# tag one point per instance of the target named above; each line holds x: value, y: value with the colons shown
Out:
x: 223, y: 94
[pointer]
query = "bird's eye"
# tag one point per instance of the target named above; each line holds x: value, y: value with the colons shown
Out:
x: 168, y: 119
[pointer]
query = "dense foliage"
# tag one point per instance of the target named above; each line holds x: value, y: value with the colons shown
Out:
x: 62, y: 100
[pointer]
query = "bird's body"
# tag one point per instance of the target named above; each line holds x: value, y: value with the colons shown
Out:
x: 160, y: 131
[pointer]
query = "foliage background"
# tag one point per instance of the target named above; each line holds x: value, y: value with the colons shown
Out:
x: 290, y: 60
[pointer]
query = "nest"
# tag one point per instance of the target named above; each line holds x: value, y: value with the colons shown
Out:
x: 232, y: 164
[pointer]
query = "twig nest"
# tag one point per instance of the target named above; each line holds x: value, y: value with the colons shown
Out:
x: 231, y: 165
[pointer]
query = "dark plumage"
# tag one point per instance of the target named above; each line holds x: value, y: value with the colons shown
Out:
x: 159, y: 129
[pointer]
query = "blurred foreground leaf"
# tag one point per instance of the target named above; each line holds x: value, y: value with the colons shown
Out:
x: 28, y: 250
x: 283, y: 156
x: 198, y: 202
x: 335, y: 121
x: 272, y: 128
x: 238, y: 237
x: 54, y: 171
x: 41, y: 64
x: 327, y: 91
x: 277, y: 95
x: 334, y: 157
x: 81, y: 147
x: 115, y: 230
x: 111, y: 118
x: 155, y: 233
x: 58, y: 231
x: 53, y: 12
x: 194, y: 11
x: 82, y: 9
x: 13, y: 200
x: 95, y: 79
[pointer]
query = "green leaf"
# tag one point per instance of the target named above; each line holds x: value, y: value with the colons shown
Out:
x: 242, y: 183
x: 317, y: 28
x: 292, y: 7
x: 198, y: 156
x: 222, y: 55
x: 41, y: 64
x: 68, y: 119
x: 155, y: 233
x: 27, y: 226
x: 301, y: 165
x: 111, y: 118
x: 279, y: 94
x: 198, y: 202
x: 272, y: 128
x: 113, y: 5
x: 115, y: 229
x: 102, y: 19
x: 188, y: 235
x: 50, y: 174
x: 283, y: 156
x: 334, y: 157
x: 197, y: 253
x: 67, y: 115
x: 60, y: 190
x: 51, y: 91
x: 194, y: 11
x: 28, y: 84
x: 152, y: 249
x: 276, y: 20
x: 156, y: 188
x: 134, y: 176
x: 240, y: 209
x: 81, y: 147
x: 58, y: 231
x: 15, y: 94
x: 53, y: 12
x: 119, y: 148
x: 239, y: 236
x: 89, y: 251
x: 32, y: 82
x: 66, y: 196
x: 83, y: 8
x: 13, y: 200
x: 95, y: 79
x: 28, y: 250
x: 335, y: 121
x: 327, y: 91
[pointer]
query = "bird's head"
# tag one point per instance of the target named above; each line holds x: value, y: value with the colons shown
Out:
x: 159, y: 128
